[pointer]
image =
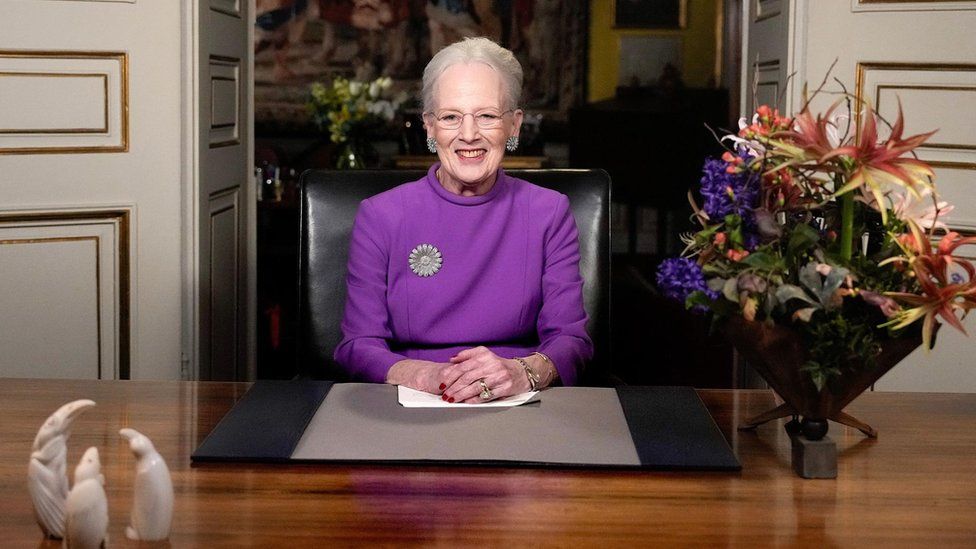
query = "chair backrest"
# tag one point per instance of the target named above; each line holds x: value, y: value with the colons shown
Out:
x: 329, y: 200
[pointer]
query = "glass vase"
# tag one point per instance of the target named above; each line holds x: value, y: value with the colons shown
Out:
x: 353, y: 155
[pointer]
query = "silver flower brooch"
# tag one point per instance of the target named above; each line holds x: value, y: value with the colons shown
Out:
x: 425, y: 260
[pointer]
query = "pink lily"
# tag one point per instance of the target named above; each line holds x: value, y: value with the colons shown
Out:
x: 941, y: 297
x: 877, y: 163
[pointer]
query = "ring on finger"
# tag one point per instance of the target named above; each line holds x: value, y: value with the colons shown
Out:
x: 485, y: 390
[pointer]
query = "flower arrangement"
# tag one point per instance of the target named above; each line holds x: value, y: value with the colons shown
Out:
x: 353, y: 112
x: 809, y: 223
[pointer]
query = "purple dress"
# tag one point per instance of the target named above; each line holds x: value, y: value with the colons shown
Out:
x: 509, y: 278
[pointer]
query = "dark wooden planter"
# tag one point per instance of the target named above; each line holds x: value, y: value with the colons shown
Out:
x: 778, y: 353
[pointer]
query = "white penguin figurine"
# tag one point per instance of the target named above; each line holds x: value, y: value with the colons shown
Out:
x: 86, y: 522
x: 152, y: 499
x: 47, y: 480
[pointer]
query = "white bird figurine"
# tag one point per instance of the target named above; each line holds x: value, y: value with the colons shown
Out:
x: 47, y: 480
x: 152, y: 500
x: 86, y: 522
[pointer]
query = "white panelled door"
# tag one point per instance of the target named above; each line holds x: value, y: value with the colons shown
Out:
x: 90, y: 195
x: 221, y: 303
x: 923, y: 53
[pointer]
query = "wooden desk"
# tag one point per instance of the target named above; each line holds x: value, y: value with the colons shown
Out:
x: 913, y: 486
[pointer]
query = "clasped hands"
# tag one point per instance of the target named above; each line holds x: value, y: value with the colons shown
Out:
x: 460, y: 380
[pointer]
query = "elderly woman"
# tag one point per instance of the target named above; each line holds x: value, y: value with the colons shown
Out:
x: 466, y: 283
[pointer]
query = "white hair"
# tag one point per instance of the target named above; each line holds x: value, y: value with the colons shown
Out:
x: 480, y: 50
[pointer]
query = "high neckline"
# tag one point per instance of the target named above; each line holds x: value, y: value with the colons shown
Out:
x: 501, y: 181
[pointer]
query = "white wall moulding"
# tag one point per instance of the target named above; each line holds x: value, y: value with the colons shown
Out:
x: 767, y: 9
x: 968, y: 251
x: 225, y: 101
x: 924, y: 90
x: 65, y: 279
x: 766, y: 64
x: 766, y: 79
x: 953, y: 134
x: 63, y: 102
x: 955, y: 185
x: 227, y: 7
x: 225, y: 273
x: 70, y: 103
x: 912, y: 5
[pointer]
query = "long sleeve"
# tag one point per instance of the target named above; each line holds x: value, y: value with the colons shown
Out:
x: 561, y: 325
x: 364, y: 350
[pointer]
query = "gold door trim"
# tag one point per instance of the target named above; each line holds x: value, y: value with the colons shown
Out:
x: 859, y: 94
x: 103, y: 129
x: 123, y: 60
x: 98, y: 280
x: 122, y: 218
x: 955, y: 146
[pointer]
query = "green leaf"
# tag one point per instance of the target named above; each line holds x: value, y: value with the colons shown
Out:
x: 731, y: 290
x: 817, y: 374
x: 787, y: 292
x: 716, y: 284
x: 802, y: 239
x: 831, y: 285
x: 810, y: 278
x: 771, y: 302
x: 762, y: 261
x: 819, y: 380
x: 698, y: 297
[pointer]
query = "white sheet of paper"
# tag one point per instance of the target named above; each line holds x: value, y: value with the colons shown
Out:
x: 412, y: 398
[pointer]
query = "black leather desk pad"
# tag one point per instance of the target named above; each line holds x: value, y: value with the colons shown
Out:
x: 266, y: 423
x: 668, y: 427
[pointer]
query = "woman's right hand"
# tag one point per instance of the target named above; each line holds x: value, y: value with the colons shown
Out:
x: 421, y: 375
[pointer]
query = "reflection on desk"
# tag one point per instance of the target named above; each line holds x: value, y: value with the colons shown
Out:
x: 912, y: 486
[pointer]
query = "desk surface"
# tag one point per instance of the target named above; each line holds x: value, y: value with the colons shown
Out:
x: 914, y: 485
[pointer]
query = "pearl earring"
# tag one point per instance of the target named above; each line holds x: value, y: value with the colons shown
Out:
x: 511, y: 144
x: 431, y: 145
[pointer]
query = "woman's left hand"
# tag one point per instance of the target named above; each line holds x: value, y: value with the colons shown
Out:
x: 504, y: 377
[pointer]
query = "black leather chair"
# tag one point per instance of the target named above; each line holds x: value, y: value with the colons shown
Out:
x: 329, y: 200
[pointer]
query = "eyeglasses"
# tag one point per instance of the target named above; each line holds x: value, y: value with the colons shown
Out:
x: 487, y: 119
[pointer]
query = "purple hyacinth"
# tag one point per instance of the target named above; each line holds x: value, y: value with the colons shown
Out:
x: 678, y: 277
x: 729, y: 193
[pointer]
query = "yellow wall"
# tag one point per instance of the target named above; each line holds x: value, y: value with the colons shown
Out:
x: 698, y: 42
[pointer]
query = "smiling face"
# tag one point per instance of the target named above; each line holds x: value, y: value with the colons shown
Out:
x: 470, y: 155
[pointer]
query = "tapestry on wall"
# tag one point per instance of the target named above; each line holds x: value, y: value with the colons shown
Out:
x: 301, y: 41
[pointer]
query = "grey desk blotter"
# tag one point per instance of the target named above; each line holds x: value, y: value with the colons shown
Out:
x: 628, y: 427
x: 364, y: 422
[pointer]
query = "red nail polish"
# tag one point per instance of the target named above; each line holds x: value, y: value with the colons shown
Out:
x: 443, y: 387
x: 450, y: 399
x: 443, y: 397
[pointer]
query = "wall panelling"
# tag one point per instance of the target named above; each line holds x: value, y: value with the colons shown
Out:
x: 64, y: 301
x: 225, y: 101
x: 924, y: 90
x: 225, y: 267
x: 63, y: 102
